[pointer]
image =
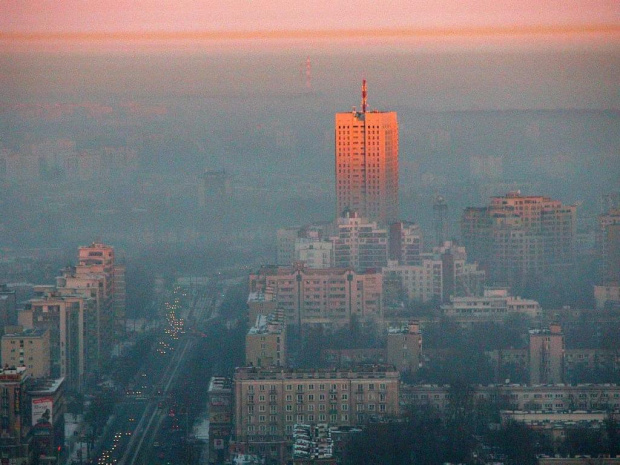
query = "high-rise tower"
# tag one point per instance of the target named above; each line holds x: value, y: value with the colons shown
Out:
x: 367, y: 163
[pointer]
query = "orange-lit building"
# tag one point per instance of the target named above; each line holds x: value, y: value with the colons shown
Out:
x: 366, y: 146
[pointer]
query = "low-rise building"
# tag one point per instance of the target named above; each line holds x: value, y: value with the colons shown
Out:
x: 260, y: 303
x: 607, y: 295
x: 494, y: 306
x: 265, y: 343
x: 547, y: 398
x: 546, y: 355
x: 404, y: 347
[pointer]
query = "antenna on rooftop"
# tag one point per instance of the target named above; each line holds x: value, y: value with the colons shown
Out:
x: 364, y: 96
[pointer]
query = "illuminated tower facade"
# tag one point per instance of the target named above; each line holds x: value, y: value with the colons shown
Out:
x: 367, y: 163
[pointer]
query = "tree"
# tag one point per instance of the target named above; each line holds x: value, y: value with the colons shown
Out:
x: 460, y: 421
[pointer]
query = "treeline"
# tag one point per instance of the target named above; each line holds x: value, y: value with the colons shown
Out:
x: 470, y: 433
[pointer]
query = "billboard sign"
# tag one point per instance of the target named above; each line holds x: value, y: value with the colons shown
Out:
x: 42, y: 408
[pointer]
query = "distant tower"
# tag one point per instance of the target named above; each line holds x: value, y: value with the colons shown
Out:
x: 308, y: 74
x: 305, y: 73
x: 366, y: 165
x: 216, y: 187
x: 440, y: 211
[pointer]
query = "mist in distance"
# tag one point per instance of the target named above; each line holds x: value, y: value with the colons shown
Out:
x: 472, y: 124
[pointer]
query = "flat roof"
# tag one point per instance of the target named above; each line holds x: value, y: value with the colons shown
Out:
x: 30, y: 332
x: 45, y: 386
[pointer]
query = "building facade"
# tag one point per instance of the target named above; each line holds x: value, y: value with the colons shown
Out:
x: 549, y: 398
x: 359, y: 243
x: 494, y: 306
x: 546, y: 355
x: 28, y: 348
x: 405, y: 243
x: 404, y: 347
x: 220, y: 397
x: 265, y: 343
x: 366, y: 165
x: 63, y: 317
x: 15, y: 415
x: 608, y: 245
x: 517, y: 238
x: 329, y: 297
x: 269, y: 402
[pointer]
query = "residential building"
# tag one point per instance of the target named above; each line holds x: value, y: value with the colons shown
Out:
x: 99, y: 258
x: 608, y: 245
x: 366, y: 166
x: 414, y: 283
x: 405, y: 243
x: 607, y: 295
x: 359, y: 243
x: 329, y: 297
x: 439, y: 276
x: 404, y: 347
x: 8, y: 307
x: 220, y: 398
x: 98, y: 314
x: 265, y: 343
x: 494, y: 306
x: 63, y: 317
x: 15, y: 416
x: 548, y: 397
x: 315, y: 254
x: 260, y: 303
x: 48, y: 408
x: 28, y: 348
x: 293, y: 243
x: 518, y: 237
x: 546, y: 355
x: 270, y: 401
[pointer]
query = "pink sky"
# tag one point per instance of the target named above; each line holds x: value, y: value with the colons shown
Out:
x: 69, y: 16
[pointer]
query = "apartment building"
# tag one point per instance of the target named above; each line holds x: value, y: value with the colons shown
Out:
x: 270, y: 401
x: 329, y: 297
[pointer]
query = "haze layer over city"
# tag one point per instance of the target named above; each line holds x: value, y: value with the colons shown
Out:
x: 196, y: 150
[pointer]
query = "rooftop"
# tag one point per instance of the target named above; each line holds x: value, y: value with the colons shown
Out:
x: 219, y: 383
x: 45, y: 386
x: 356, y: 371
x: 30, y: 332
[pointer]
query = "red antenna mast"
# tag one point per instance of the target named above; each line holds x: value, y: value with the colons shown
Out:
x: 364, y: 96
x: 308, y: 74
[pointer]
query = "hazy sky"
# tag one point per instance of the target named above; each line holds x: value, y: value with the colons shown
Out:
x: 18, y: 16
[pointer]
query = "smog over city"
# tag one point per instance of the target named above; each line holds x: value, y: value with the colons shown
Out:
x: 262, y: 232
